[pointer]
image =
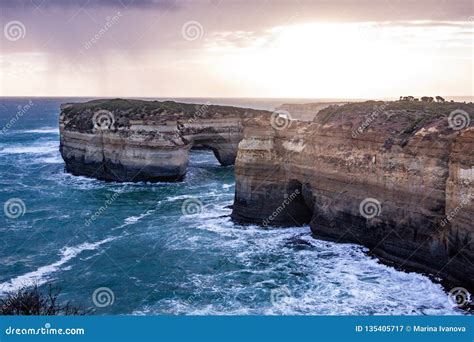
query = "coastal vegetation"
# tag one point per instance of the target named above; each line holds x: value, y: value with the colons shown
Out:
x: 28, y: 301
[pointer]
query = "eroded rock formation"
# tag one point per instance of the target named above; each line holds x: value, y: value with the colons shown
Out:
x: 133, y: 140
x: 395, y: 177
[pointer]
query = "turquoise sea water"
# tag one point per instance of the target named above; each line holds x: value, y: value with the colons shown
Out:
x: 134, y: 240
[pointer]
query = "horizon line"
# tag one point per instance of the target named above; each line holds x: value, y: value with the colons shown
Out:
x: 224, y: 97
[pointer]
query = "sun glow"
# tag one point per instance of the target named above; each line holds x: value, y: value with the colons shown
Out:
x: 311, y: 60
x: 335, y: 60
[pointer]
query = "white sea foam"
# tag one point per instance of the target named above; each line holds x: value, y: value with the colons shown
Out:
x: 78, y: 182
x: 38, y: 148
x: 43, y: 130
x: 313, y: 276
x: 51, y: 160
x: 177, y: 198
x: 134, y: 219
x: 40, y: 275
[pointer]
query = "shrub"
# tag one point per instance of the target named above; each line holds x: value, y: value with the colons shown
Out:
x: 32, y: 301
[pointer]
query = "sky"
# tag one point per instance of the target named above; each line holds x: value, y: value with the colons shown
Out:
x: 218, y: 48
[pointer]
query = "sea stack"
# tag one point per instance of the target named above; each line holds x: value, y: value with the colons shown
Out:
x: 133, y: 140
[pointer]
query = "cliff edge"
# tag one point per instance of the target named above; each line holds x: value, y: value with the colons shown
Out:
x: 396, y: 177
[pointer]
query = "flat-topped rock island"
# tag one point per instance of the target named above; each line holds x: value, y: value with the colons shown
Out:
x: 133, y: 140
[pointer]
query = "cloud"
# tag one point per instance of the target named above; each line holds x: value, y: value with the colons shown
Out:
x: 44, y: 4
x: 147, y: 39
x: 64, y: 27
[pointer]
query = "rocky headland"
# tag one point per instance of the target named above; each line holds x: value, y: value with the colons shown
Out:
x: 134, y: 140
x: 396, y: 177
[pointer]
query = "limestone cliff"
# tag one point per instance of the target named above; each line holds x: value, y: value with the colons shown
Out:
x: 134, y: 140
x: 396, y: 177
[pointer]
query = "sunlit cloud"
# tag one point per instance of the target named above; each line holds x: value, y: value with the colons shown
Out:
x: 265, y: 49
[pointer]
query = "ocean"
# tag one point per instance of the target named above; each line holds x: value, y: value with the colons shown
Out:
x: 131, y: 248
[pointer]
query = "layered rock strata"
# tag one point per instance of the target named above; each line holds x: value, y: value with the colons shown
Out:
x: 396, y: 177
x: 134, y: 140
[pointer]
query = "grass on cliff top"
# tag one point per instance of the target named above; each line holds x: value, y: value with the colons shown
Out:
x: 125, y: 105
x: 131, y: 107
x: 415, y: 110
x: 80, y: 116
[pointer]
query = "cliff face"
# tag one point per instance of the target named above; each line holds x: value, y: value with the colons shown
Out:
x: 396, y: 177
x: 132, y: 140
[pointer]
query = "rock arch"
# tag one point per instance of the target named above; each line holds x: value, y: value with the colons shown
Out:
x: 146, y: 140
